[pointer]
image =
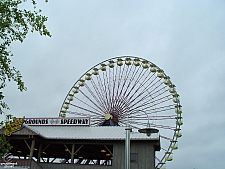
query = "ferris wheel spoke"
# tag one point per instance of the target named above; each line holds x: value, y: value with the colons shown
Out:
x: 141, y: 85
x: 164, y: 137
x: 126, y: 80
x: 135, y: 83
x: 119, y: 97
x: 163, y: 126
x: 103, y: 92
x: 97, y: 97
x: 152, y: 125
x: 152, y: 102
x: 88, y: 98
x: 118, y: 84
x: 120, y: 92
x: 156, y: 110
x: 149, y: 95
x: 124, y: 123
x: 172, y: 117
x: 110, y: 90
x: 78, y: 113
x: 85, y: 109
x: 149, y: 92
x: 99, y: 104
x: 98, y: 89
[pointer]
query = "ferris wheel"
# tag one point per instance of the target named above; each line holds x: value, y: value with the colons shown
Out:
x: 131, y: 88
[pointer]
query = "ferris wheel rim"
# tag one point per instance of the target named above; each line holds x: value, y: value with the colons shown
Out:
x: 176, y: 133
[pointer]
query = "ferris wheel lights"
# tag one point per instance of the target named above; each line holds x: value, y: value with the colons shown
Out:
x: 178, y: 117
x: 160, y: 75
x: 172, y: 85
x: 88, y: 78
x: 152, y: 65
x: 153, y: 69
x: 174, y: 147
x: 66, y: 102
x: 160, y: 71
x: 179, y: 111
x: 81, y: 82
x: 63, y: 115
x: 128, y: 59
x: 95, y: 71
x: 176, y: 100
x: 178, y: 106
x: 176, y: 95
x: 128, y: 63
x: 119, y: 63
x: 169, y: 158
x: 71, y: 94
x: 172, y: 90
x: 111, y: 61
x: 145, y: 64
x: 111, y: 65
x: 70, y: 98
x: 103, y: 68
x: 178, y: 135
x: 173, y: 141
x: 167, y: 82
x: 66, y: 107
x: 136, y: 63
x: 180, y: 122
x: 75, y: 91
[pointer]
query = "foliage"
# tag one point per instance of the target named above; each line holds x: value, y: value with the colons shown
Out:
x: 4, y: 144
x: 15, y: 23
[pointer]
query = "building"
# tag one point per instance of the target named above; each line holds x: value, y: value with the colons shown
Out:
x: 82, y: 147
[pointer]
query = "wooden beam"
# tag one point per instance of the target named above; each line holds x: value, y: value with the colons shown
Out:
x: 32, y: 149
x: 39, y: 153
x: 72, y: 154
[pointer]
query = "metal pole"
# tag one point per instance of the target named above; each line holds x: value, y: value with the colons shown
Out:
x: 127, y: 148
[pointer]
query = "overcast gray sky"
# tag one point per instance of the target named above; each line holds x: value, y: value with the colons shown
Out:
x: 184, y: 38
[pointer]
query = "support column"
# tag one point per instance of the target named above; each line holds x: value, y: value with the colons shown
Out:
x: 39, y: 153
x: 72, y: 154
x: 32, y: 149
x: 127, y: 148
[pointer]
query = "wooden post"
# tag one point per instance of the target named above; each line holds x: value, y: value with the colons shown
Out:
x: 32, y: 149
x: 72, y: 154
x: 39, y: 153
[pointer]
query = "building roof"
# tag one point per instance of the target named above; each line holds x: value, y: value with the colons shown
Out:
x: 87, y: 133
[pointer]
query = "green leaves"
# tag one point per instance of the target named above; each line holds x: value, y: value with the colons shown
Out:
x: 15, y: 24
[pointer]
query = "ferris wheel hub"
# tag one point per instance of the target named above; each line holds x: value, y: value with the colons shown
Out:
x: 108, y: 116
